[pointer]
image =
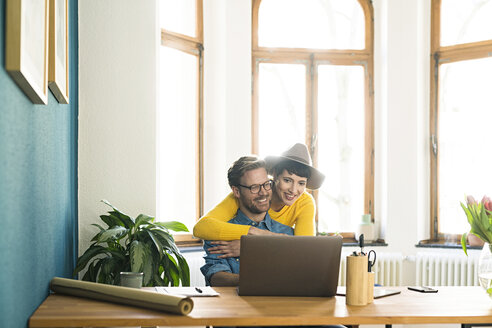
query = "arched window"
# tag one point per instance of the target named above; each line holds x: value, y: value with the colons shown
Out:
x: 179, y: 118
x: 313, y: 83
x: 460, y: 110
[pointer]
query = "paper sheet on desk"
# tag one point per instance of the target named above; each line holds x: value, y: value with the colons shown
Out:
x: 188, y: 291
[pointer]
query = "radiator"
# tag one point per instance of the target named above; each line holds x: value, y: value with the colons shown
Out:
x: 447, y: 269
x: 195, y: 261
x: 387, y: 270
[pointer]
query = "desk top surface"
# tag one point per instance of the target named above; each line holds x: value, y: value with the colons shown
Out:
x: 449, y: 305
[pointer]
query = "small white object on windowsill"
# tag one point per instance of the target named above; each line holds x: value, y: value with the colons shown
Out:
x: 366, y: 227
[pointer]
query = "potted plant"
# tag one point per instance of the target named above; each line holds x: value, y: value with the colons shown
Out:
x: 479, y: 215
x: 136, y: 245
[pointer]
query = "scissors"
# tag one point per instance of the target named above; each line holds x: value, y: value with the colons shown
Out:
x: 372, y: 261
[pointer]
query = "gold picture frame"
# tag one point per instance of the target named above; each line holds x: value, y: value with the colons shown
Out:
x: 26, y: 57
x: 58, y: 50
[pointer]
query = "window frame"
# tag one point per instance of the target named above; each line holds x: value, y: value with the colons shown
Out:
x: 440, y: 55
x: 312, y: 58
x: 193, y: 46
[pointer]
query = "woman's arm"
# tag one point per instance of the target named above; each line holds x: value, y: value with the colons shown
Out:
x: 214, y: 225
x: 305, y: 212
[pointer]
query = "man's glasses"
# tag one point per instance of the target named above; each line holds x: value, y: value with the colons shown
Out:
x: 257, y: 187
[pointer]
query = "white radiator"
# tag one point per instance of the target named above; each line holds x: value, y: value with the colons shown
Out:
x: 387, y: 270
x: 447, y: 269
x: 195, y: 262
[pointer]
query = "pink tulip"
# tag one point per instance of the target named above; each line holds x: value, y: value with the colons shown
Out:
x: 487, y: 203
x: 470, y: 200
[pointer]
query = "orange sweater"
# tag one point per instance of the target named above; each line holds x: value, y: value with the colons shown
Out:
x: 214, y: 226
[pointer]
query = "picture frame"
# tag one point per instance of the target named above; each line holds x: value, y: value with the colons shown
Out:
x: 58, y: 50
x: 26, y: 39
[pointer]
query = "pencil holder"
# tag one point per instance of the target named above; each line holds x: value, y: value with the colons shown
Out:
x: 370, y: 287
x: 356, y: 278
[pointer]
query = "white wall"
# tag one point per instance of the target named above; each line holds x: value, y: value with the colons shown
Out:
x: 118, y: 42
x: 227, y: 83
x: 401, y: 128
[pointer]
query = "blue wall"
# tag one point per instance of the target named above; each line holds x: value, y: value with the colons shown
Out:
x: 38, y: 189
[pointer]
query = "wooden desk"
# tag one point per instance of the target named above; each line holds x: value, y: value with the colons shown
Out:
x: 450, y: 305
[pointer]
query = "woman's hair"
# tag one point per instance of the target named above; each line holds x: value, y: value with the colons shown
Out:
x: 292, y: 167
x: 242, y: 165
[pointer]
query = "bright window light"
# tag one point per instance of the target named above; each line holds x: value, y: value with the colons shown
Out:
x: 282, y: 103
x: 178, y: 16
x: 321, y: 24
x: 465, y: 152
x: 178, y: 135
x: 341, y: 147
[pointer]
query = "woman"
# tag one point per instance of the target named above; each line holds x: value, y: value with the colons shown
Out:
x: 291, y: 204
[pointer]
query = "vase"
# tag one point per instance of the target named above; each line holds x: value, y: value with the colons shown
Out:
x: 485, y: 268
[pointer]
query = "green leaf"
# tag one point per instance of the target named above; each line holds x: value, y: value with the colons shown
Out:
x: 463, y: 242
x: 158, y: 281
x: 489, y: 290
x: 171, y: 270
x: 184, y: 270
x: 157, y: 243
x: 112, y: 234
x: 468, y: 213
x: 89, y: 254
x: 110, y: 269
x: 138, y: 256
x: 485, y: 224
x: 111, y: 221
x: 166, y: 240
x: 143, y: 219
x: 89, y: 274
x: 97, y: 225
x: 150, y: 265
x: 119, y: 254
x: 123, y: 218
x: 173, y: 225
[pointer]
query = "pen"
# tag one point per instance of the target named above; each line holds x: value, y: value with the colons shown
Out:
x: 198, y: 290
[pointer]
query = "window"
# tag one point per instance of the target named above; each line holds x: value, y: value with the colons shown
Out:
x: 179, y: 119
x: 312, y: 83
x: 461, y: 110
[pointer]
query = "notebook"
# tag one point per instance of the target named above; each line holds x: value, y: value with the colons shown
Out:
x: 289, y: 265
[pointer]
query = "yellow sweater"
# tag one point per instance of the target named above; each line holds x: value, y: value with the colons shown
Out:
x: 214, y: 226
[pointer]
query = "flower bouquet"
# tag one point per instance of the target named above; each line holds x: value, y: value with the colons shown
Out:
x: 479, y: 215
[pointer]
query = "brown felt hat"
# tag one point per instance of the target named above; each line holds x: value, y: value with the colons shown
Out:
x: 299, y: 153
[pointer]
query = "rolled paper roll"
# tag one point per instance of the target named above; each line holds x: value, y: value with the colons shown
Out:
x: 123, y: 295
x: 356, y: 274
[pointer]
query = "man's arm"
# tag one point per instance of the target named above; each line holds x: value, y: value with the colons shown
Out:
x: 214, y: 265
x: 224, y: 279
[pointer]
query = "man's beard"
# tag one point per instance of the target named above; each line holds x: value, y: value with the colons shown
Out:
x: 251, y: 207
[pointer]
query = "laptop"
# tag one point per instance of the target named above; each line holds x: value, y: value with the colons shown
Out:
x: 289, y: 265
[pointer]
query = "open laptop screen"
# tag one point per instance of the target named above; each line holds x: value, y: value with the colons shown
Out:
x: 289, y: 265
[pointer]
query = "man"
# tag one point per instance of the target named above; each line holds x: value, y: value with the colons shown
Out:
x: 250, y: 184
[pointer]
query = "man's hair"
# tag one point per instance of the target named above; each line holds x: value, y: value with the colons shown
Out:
x: 292, y: 167
x: 242, y: 165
